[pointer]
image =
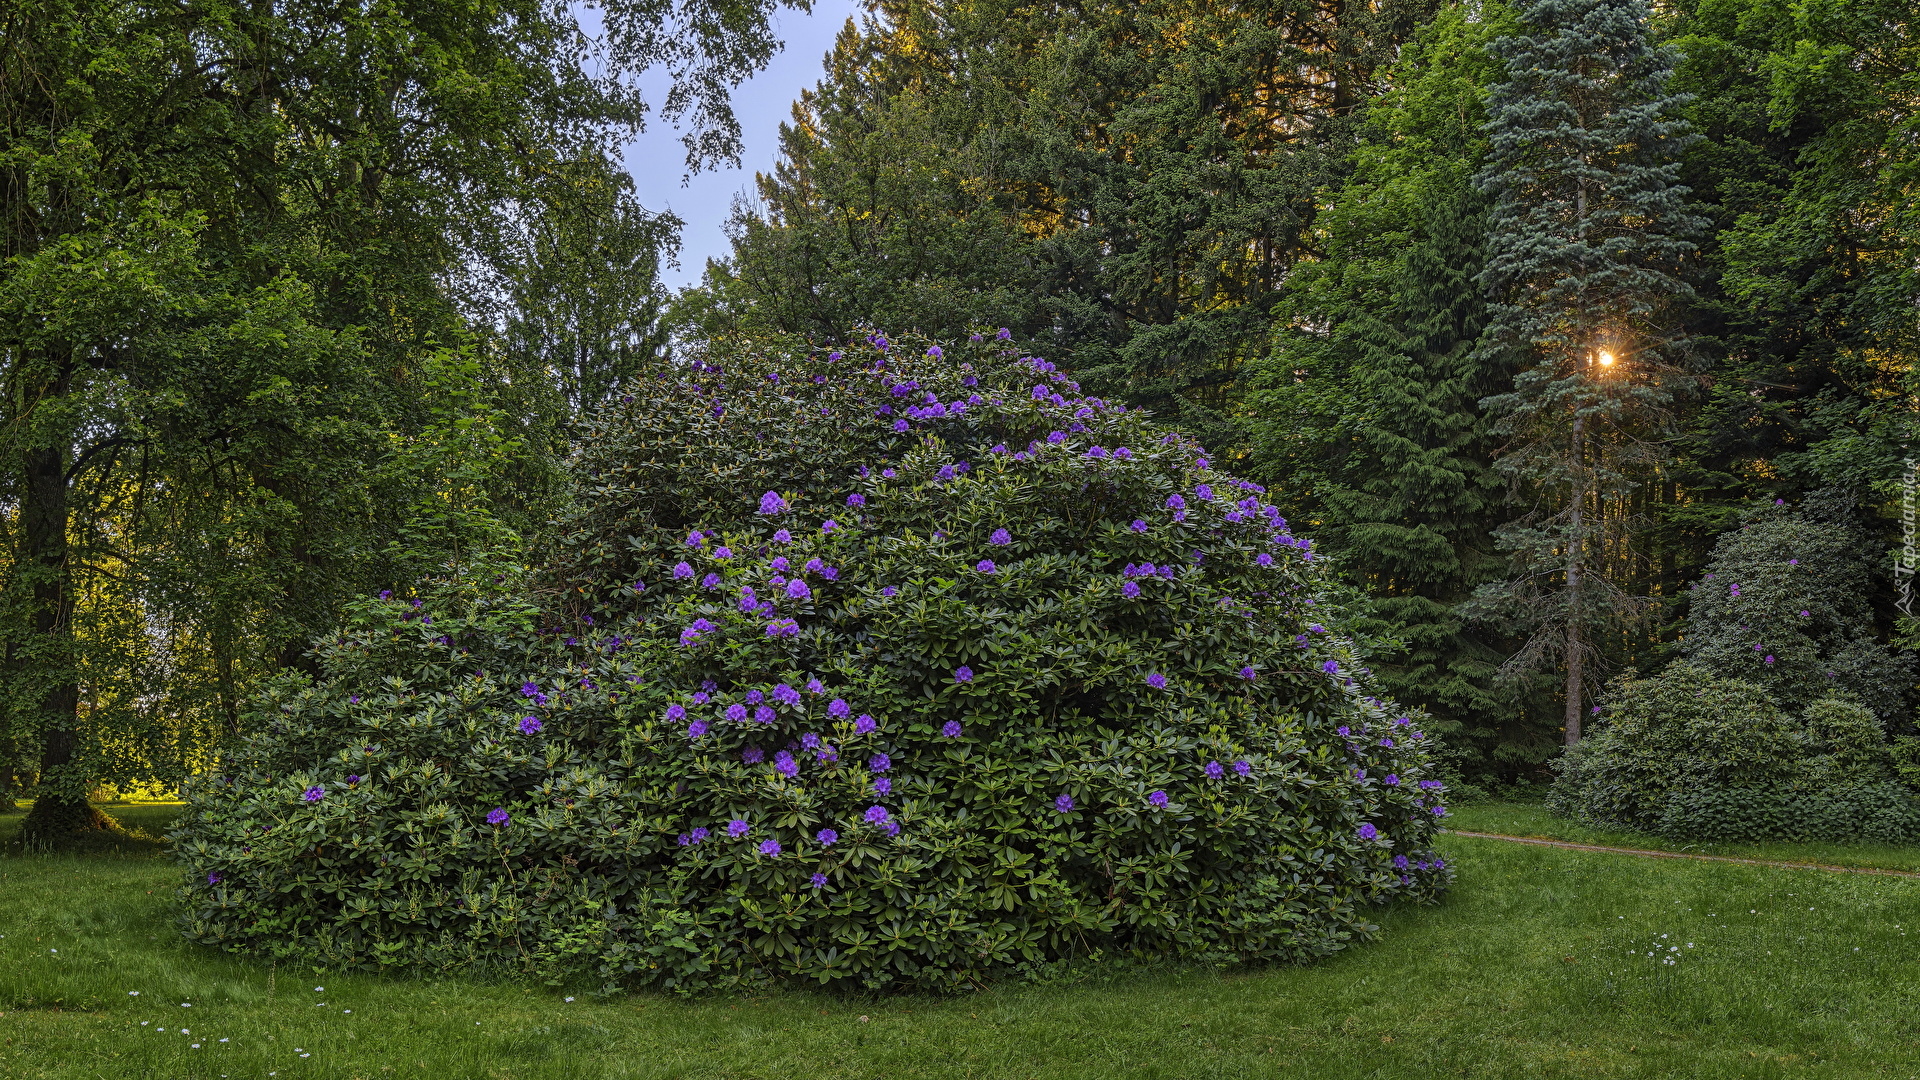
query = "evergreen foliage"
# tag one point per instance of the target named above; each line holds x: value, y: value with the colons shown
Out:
x: 887, y: 665
x: 1411, y: 490
x: 1129, y: 184
x: 1587, y: 239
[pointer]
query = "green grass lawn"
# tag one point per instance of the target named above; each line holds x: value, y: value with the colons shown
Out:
x: 1532, y: 819
x: 1537, y: 966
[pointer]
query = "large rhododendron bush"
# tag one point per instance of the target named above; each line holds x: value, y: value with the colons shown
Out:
x: 890, y: 664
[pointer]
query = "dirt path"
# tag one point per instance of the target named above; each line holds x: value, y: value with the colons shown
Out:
x: 1543, y: 842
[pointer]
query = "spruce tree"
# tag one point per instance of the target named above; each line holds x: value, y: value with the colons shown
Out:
x: 1585, y: 254
x: 1414, y: 498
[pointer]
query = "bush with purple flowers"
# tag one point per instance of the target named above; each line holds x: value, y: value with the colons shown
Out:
x: 1786, y: 604
x: 978, y: 701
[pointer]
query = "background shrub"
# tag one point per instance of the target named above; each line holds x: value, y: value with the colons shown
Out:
x: 1793, y: 811
x: 885, y: 665
x: 1684, y: 728
x: 1783, y: 605
x: 1694, y: 756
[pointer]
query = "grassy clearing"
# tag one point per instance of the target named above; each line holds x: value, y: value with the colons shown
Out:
x: 1537, y: 966
x: 1531, y: 819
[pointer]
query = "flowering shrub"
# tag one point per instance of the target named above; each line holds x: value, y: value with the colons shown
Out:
x: 1783, y: 605
x: 882, y: 665
x: 1694, y: 756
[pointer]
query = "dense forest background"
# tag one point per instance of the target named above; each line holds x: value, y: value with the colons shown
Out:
x: 297, y: 305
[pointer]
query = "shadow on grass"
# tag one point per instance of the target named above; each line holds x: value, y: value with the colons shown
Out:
x: 140, y: 830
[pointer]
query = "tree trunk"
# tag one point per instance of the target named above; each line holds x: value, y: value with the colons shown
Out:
x: 60, y: 806
x: 1576, y: 551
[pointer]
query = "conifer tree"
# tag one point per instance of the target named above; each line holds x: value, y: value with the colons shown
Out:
x: 1587, y: 246
x: 1414, y: 498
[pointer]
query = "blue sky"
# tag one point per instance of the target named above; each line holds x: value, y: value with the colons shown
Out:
x: 658, y: 161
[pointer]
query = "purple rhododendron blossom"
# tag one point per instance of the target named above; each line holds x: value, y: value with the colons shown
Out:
x: 876, y: 815
x: 711, y: 581
x: 772, y: 503
x: 315, y: 793
x: 879, y: 763
x: 737, y: 828
x: 1248, y: 673
x: 1368, y: 832
x: 1056, y: 437
x: 963, y: 674
x: 696, y: 729
x: 497, y: 816
x: 1175, y: 502
x: 1138, y: 525
x: 828, y: 526
x: 1158, y: 798
x: 1157, y: 681
x: 1000, y: 536
x: 786, y: 695
x: 951, y: 729
x: 1263, y: 559
x: 723, y: 552
x: 1130, y: 590
x: 770, y: 847
x: 783, y: 628
x: 782, y: 536
x: 826, y: 837
x: 856, y: 499
x: 1243, y: 767
x: 864, y: 725
x: 737, y: 713
x: 986, y: 566
x: 529, y: 725
x: 753, y: 755
x: 1063, y: 804
x: 675, y: 713
x: 1214, y: 770
x: 1331, y: 667
x: 763, y: 714
x: 838, y: 708
x: 819, y: 881
x: 883, y: 786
